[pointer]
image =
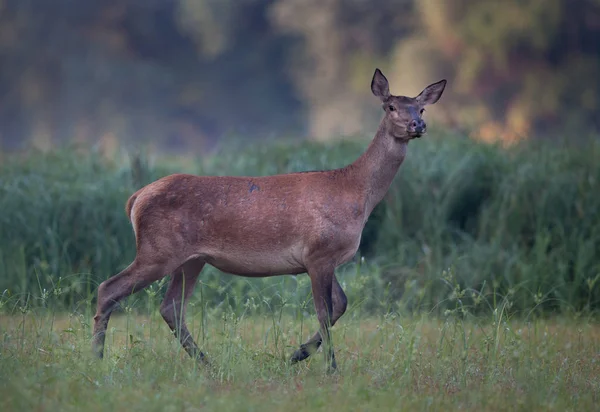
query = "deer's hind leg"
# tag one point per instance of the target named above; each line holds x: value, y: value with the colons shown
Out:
x: 174, y: 304
x: 138, y: 275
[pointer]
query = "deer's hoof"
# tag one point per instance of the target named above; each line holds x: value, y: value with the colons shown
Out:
x: 300, y: 355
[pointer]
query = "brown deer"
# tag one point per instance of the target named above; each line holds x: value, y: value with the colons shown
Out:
x: 263, y: 226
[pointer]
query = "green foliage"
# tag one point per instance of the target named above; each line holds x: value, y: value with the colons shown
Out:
x: 464, y: 225
x: 63, y: 217
x: 521, y: 223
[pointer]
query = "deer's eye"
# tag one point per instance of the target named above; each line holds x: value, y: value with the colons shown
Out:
x: 391, y: 108
x: 422, y: 110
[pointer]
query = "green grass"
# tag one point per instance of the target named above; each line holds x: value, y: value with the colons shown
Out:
x: 385, y: 363
x: 476, y: 288
x: 522, y: 222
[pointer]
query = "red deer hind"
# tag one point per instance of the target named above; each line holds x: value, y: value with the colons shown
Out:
x: 308, y: 222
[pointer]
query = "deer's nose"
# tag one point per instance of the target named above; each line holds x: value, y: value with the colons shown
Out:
x: 417, y: 125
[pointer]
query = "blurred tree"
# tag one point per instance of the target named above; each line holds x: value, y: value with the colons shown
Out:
x: 515, y: 67
x: 530, y: 62
x: 140, y: 71
x: 181, y: 73
x: 332, y: 65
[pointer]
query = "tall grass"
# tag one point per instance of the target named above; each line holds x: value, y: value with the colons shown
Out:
x: 464, y: 225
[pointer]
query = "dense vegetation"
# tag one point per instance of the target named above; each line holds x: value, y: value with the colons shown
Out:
x: 465, y: 226
x: 471, y: 250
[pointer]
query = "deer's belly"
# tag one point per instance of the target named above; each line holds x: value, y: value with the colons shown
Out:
x: 255, y: 263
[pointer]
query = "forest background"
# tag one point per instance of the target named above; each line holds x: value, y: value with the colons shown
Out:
x: 182, y: 74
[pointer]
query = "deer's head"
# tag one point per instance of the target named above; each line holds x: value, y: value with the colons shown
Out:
x: 404, y: 115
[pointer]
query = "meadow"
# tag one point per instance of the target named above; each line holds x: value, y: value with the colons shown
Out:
x: 388, y: 362
x: 476, y: 287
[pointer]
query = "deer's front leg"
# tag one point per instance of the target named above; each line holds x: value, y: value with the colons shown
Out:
x: 340, y: 303
x: 322, y: 283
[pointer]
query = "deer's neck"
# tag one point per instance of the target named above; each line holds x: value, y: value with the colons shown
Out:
x: 376, y: 168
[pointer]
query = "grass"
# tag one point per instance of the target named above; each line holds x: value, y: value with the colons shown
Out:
x: 480, y: 289
x: 522, y: 221
x: 388, y: 362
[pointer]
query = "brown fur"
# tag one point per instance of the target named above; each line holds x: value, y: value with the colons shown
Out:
x: 263, y: 226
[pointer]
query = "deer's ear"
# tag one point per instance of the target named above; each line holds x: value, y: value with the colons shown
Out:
x: 380, y: 86
x: 432, y: 93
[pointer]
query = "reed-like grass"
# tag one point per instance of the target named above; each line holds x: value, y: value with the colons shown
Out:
x: 463, y: 224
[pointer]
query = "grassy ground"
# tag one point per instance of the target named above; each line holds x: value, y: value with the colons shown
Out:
x: 490, y: 255
x: 386, y: 363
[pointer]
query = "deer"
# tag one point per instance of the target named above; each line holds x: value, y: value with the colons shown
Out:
x: 285, y: 224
